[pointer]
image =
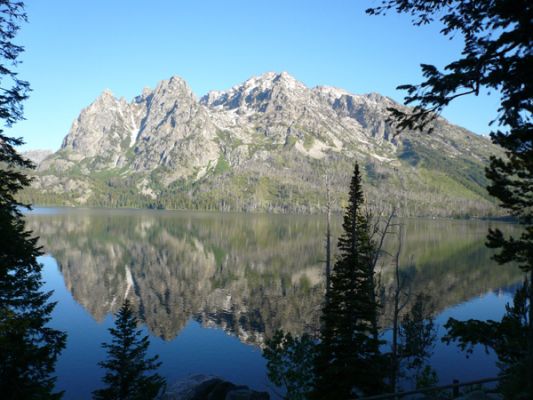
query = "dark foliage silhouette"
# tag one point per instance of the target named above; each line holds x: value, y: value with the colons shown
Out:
x: 290, y: 364
x: 348, y: 361
x: 127, y: 364
x: 417, y: 336
x: 498, y: 37
x: 508, y: 338
x: 28, y: 347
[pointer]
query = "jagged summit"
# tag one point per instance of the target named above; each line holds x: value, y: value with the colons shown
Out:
x: 105, y: 97
x: 331, y: 91
x: 174, y: 84
x: 268, y: 80
x: 272, y: 79
x: 107, y: 93
x: 255, y: 93
x: 261, y: 145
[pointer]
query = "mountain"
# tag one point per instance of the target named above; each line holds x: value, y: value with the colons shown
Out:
x: 36, y: 156
x: 249, y: 274
x: 263, y: 145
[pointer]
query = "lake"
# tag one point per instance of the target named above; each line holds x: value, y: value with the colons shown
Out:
x: 210, y: 288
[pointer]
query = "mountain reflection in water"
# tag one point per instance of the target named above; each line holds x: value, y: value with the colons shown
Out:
x: 247, y: 274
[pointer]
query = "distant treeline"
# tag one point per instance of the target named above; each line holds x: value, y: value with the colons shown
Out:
x: 286, y: 199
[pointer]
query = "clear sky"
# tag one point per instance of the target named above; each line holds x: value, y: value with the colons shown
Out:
x: 75, y: 49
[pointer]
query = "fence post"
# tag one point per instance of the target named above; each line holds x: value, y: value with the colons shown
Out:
x: 455, y: 390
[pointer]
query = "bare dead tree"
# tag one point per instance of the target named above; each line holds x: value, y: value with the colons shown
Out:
x: 398, y: 305
x: 328, y: 237
x: 380, y: 227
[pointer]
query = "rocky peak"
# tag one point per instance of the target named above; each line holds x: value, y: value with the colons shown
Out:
x: 105, y: 104
x: 106, y: 98
x: 271, y: 80
x: 171, y: 100
x: 329, y: 93
x: 145, y: 96
x: 379, y: 98
x: 175, y: 131
x: 258, y: 93
x: 175, y: 87
x: 37, y: 155
x: 268, y: 126
x: 102, y: 129
x: 106, y: 93
x: 170, y: 96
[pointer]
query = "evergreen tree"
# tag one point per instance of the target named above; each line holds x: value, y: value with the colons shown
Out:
x: 290, y: 364
x: 127, y: 363
x: 348, y: 360
x: 417, y: 335
x: 508, y: 338
x: 28, y: 347
x: 498, y: 36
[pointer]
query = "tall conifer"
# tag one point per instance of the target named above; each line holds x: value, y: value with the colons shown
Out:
x: 127, y: 364
x: 497, y: 57
x: 348, y: 360
x: 28, y: 347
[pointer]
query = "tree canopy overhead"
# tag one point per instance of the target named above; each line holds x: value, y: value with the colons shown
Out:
x: 13, y: 91
x: 497, y: 55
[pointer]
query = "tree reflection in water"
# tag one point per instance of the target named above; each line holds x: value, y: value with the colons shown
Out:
x: 247, y: 274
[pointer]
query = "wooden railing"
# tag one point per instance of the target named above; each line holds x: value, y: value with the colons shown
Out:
x: 453, y: 386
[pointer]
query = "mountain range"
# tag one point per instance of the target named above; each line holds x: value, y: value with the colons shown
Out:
x: 249, y: 274
x: 264, y: 145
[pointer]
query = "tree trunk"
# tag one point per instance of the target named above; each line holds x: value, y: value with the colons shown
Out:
x: 530, y: 333
x: 396, y: 315
x: 328, y: 239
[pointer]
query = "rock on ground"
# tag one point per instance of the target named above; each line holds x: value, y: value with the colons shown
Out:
x: 206, y: 387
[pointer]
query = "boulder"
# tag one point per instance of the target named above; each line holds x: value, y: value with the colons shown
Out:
x: 208, y: 387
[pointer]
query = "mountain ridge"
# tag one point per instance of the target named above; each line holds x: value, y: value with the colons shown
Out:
x: 262, y: 145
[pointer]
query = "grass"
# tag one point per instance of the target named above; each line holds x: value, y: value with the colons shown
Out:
x: 222, y: 166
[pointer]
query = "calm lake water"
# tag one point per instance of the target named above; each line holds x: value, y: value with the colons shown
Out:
x: 211, y: 288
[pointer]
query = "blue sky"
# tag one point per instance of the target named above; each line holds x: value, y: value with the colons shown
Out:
x: 76, y: 49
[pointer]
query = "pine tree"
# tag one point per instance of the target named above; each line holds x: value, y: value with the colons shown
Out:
x: 417, y: 335
x: 290, y: 364
x: 496, y: 56
x: 127, y: 363
x: 348, y: 360
x: 28, y: 347
x: 508, y: 338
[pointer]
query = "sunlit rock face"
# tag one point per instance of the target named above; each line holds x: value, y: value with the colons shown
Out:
x: 36, y: 156
x: 248, y: 275
x: 264, y: 145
